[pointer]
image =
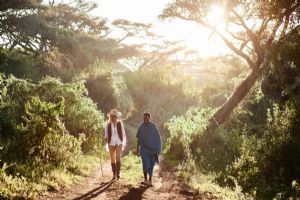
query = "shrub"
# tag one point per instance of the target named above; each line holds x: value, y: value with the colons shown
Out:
x: 258, y: 148
x: 44, y: 128
x: 39, y: 114
x: 270, y: 164
x: 183, y: 131
x: 15, y: 187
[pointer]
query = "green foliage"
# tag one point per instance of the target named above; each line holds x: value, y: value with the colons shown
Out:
x: 63, y: 35
x: 101, y: 85
x: 21, y: 66
x: 270, y: 163
x: 201, y: 157
x: 44, y: 136
x: 205, y: 182
x: 283, y: 81
x: 257, y: 149
x: 183, y: 130
x: 156, y: 92
x: 81, y: 115
x: 15, y: 187
x: 189, y: 142
x: 44, y: 126
x: 64, y: 108
x: 43, y: 178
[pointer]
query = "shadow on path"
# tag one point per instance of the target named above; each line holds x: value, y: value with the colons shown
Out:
x: 134, y: 193
x: 95, y: 192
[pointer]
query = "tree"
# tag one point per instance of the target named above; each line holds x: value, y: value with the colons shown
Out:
x: 35, y: 27
x: 32, y: 26
x: 252, y: 29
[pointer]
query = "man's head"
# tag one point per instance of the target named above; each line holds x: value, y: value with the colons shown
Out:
x: 147, y: 117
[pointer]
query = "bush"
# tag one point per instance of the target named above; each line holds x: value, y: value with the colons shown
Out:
x: 189, y: 141
x: 37, y: 115
x: 270, y: 164
x: 45, y: 136
x: 257, y: 149
x: 15, y: 187
x: 44, y: 127
x: 81, y: 115
x: 183, y: 130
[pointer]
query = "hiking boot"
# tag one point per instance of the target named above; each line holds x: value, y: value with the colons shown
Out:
x: 147, y: 183
x: 118, y: 168
x: 114, y: 170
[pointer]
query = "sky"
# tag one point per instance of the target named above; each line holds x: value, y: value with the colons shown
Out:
x: 147, y: 11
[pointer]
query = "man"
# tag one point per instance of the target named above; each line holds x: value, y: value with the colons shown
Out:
x: 148, y: 146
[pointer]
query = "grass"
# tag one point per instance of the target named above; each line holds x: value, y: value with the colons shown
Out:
x: 206, y: 183
x: 19, y: 187
x: 63, y: 177
x: 132, y: 171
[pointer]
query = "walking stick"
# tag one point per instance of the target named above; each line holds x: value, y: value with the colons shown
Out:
x: 101, y: 157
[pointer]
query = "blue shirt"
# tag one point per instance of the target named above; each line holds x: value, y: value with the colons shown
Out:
x: 149, y: 138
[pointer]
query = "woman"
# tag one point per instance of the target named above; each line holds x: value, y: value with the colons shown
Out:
x: 116, y: 140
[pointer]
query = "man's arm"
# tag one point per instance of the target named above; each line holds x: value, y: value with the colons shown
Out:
x: 159, y: 138
x: 138, y: 144
x: 138, y: 148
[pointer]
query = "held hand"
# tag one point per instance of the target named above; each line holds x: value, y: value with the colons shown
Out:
x: 137, y: 152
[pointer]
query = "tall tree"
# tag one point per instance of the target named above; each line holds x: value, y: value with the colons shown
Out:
x: 253, y: 27
x: 35, y: 27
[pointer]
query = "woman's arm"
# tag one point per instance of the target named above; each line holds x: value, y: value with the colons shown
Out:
x: 106, y: 130
x: 123, y: 134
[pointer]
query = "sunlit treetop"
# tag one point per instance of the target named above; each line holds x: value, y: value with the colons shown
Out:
x: 36, y: 27
x: 250, y: 28
x: 247, y: 27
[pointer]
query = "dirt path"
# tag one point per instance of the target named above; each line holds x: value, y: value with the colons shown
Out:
x: 96, y: 186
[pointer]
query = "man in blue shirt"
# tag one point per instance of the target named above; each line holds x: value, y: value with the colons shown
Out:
x: 148, y: 146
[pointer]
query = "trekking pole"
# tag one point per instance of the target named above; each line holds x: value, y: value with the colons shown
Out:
x: 101, y: 157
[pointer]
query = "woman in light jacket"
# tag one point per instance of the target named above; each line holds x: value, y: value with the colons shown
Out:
x: 116, y: 140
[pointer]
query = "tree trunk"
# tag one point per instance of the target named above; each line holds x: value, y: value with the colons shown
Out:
x: 240, y: 92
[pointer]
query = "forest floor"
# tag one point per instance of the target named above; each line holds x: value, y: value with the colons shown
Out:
x: 97, y: 186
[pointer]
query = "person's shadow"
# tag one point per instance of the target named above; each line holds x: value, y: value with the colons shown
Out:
x: 95, y: 192
x: 134, y: 193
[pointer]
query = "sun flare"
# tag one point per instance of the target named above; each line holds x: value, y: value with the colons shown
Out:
x: 216, y: 16
x: 192, y: 35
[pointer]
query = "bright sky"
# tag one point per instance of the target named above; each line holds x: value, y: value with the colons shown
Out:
x: 146, y: 11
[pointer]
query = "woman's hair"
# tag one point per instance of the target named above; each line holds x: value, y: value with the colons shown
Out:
x: 113, y: 112
x: 109, y: 118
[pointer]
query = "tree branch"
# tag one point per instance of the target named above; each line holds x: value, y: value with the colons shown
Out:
x: 254, y: 38
x: 236, y: 50
x: 227, y: 42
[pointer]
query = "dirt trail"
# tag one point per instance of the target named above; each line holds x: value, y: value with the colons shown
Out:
x: 96, y: 186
